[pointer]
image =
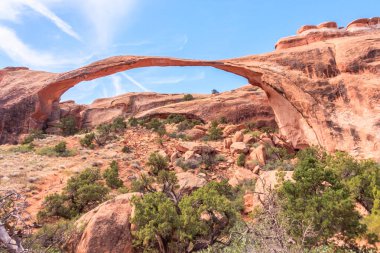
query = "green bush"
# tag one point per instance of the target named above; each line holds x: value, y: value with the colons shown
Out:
x: 88, y: 141
x: 51, y: 237
x: 318, y: 199
x: 223, y: 120
x: 82, y: 193
x: 35, y: 134
x: 133, y: 122
x: 157, y: 162
x: 103, y: 134
x: 126, y: 149
x: 196, y: 222
x: 59, y: 150
x: 118, y: 125
x: 111, y: 175
x: 214, y: 133
x: 188, y: 97
x: 175, y: 118
x: 241, y: 160
x: 213, y: 91
x: 188, y: 124
x: 157, y: 126
x: 25, y: 148
x: 68, y: 125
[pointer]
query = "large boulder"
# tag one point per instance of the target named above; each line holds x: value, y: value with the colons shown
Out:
x: 259, y: 154
x: 198, y: 148
x: 107, y: 228
x: 188, y: 181
x: 239, y: 148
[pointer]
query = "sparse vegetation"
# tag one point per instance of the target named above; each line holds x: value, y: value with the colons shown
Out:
x: 59, y: 150
x: 24, y: 148
x: 213, y: 91
x: 126, y: 149
x: 111, y: 175
x: 68, y: 125
x: 214, y: 133
x: 188, y: 97
x: 88, y: 141
x: 157, y: 126
x: 241, y: 160
x: 35, y: 134
x: 133, y: 122
x: 118, y: 125
x: 82, y: 193
x: 175, y: 118
x: 157, y: 162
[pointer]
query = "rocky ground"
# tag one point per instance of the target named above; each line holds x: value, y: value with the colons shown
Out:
x: 39, y: 175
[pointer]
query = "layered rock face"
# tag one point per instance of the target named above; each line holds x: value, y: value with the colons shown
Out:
x: 241, y: 105
x: 323, y: 86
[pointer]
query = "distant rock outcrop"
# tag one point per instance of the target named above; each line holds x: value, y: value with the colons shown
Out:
x: 241, y: 105
x: 322, y: 84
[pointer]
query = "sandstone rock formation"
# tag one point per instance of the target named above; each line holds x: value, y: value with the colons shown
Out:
x: 250, y: 102
x: 323, y: 86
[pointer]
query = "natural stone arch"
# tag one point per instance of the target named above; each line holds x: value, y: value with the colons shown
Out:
x: 292, y: 124
x: 323, y: 86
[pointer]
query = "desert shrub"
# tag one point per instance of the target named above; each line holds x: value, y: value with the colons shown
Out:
x: 277, y: 152
x: 24, y: 148
x: 188, y: 97
x: 317, y: 199
x: 118, y: 125
x: 88, y: 140
x: 268, y: 129
x: 35, y: 134
x: 126, y: 149
x: 241, y: 160
x: 82, y: 193
x: 103, y: 134
x: 214, y: 133
x: 68, y: 125
x: 188, y: 124
x: 361, y: 177
x: 195, y: 222
x: 181, y: 136
x: 59, y: 150
x: 133, y: 122
x: 175, y: 118
x: 157, y: 126
x: 223, y: 120
x: 51, y: 237
x: 214, y: 91
x: 111, y: 175
x: 157, y: 162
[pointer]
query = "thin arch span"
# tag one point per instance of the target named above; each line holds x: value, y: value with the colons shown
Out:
x: 291, y: 123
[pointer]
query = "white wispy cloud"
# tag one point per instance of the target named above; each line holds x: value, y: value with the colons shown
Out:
x: 12, y: 10
x: 117, y: 85
x: 106, y: 17
x: 142, y: 87
x: 43, y: 10
x: 21, y: 53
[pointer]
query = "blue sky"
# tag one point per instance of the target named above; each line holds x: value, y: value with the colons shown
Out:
x: 59, y: 35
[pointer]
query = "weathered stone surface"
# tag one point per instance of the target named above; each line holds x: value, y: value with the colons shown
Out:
x: 322, y: 86
x: 188, y: 181
x: 238, y: 137
x: 259, y: 155
x: 239, y: 147
x: 106, y: 228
